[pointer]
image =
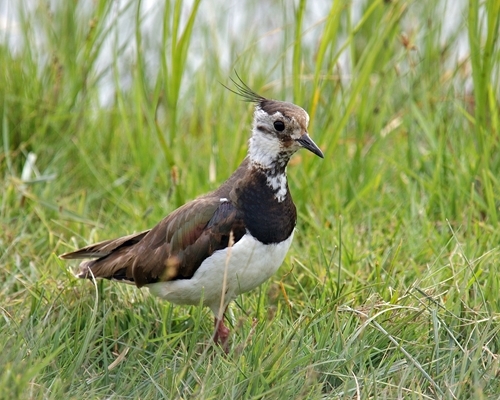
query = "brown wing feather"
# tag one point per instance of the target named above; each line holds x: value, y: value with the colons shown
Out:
x: 173, y: 249
x: 105, y: 247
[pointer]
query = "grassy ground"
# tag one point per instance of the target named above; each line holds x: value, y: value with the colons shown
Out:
x: 391, y: 288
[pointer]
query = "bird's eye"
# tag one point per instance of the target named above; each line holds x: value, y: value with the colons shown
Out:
x: 279, y: 126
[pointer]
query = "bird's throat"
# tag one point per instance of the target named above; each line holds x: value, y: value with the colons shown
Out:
x: 279, y: 186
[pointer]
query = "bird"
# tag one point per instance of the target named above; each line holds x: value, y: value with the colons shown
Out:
x: 226, y: 242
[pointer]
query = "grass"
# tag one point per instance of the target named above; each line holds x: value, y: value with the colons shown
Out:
x: 391, y: 287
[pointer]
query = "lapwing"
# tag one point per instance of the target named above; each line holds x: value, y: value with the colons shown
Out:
x: 223, y: 243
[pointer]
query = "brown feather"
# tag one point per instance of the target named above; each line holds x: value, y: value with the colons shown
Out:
x: 105, y: 247
x: 174, y: 248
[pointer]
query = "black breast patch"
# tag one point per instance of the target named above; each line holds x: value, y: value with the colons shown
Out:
x: 268, y: 220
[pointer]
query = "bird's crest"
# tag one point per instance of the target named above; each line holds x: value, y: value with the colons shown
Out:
x: 244, y: 91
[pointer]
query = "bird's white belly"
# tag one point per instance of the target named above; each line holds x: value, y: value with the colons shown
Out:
x: 246, y: 265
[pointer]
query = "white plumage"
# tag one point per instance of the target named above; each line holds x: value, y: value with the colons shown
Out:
x: 246, y: 265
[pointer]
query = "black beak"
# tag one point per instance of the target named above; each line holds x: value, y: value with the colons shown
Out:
x: 307, y: 143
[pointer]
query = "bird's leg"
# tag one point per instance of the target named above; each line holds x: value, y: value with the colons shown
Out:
x: 221, y: 334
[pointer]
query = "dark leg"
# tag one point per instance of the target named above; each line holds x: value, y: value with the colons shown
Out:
x: 221, y: 334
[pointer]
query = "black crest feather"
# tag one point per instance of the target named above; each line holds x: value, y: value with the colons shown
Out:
x: 244, y: 91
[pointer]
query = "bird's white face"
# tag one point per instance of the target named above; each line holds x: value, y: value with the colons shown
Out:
x: 277, y: 129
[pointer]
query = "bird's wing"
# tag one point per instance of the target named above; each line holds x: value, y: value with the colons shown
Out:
x: 105, y: 247
x: 173, y: 249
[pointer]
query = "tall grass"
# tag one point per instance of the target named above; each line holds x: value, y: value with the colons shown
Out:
x: 112, y: 116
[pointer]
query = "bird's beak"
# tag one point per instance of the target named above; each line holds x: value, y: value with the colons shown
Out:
x: 307, y: 143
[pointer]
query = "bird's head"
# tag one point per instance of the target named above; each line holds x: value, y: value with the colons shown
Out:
x: 279, y: 129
